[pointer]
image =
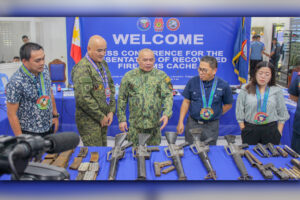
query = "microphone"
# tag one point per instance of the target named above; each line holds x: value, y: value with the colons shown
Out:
x: 30, y: 146
x: 61, y: 142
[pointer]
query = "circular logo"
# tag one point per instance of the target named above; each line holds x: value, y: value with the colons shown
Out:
x: 144, y: 24
x: 173, y: 24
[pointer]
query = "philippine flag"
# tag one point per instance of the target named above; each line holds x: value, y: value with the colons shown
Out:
x: 76, y: 47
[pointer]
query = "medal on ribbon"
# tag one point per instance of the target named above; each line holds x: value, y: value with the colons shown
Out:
x: 104, y: 79
x: 43, y: 101
x: 207, y: 112
x: 261, y: 117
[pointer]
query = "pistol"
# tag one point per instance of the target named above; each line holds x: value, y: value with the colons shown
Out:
x: 159, y: 165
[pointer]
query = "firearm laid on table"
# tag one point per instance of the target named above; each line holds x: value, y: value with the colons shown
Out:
x: 175, y: 152
x: 201, y: 148
x: 142, y: 152
x: 116, y: 154
x: 237, y: 151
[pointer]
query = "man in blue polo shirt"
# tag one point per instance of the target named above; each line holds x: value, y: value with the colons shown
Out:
x: 257, y: 49
x: 206, y: 97
x: 294, y: 91
x: 31, y: 107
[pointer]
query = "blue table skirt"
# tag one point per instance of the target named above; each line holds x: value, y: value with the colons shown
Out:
x: 228, y: 123
x: 194, y: 169
x: 66, y: 108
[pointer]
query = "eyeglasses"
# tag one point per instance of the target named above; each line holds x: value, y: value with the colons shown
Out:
x: 204, y: 70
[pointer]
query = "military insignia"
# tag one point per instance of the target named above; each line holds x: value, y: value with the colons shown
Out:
x: 167, y: 79
x: 143, y: 24
x: 173, y: 24
x: 158, y: 24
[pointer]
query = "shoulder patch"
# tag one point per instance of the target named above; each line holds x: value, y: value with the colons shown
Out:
x: 167, y: 80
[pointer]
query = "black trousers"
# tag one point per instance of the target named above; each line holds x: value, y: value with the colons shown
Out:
x: 51, y: 131
x: 253, y: 134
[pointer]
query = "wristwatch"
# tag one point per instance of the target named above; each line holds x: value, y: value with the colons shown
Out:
x: 56, y: 116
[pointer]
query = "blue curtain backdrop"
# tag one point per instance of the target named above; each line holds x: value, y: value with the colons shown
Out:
x: 179, y: 43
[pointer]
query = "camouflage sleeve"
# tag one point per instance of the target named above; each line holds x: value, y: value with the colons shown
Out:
x: 112, y: 104
x: 122, y: 100
x: 167, y: 95
x: 83, y: 86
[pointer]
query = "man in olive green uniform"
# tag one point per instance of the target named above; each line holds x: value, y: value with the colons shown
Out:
x: 94, y: 94
x: 149, y: 92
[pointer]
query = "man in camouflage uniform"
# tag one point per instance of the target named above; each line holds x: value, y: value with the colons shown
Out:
x: 94, y: 94
x: 149, y: 92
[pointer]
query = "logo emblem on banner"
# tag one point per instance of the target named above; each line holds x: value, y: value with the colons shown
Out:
x: 244, y: 50
x: 173, y: 24
x: 144, y: 24
x: 158, y: 24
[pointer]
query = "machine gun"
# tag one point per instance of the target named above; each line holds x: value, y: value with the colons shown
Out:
x: 175, y: 152
x: 236, y: 152
x: 142, y: 152
x: 116, y: 154
x: 202, y: 148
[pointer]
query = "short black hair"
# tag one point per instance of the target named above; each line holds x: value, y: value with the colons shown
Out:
x: 212, y: 61
x: 274, y: 39
x: 25, y: 50
x: 16, y: 57
x: 24, y: 36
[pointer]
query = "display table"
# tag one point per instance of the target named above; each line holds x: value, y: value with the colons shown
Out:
x: 66, y: 107
x: 194, y: 169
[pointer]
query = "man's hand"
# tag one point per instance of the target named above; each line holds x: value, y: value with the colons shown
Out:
x: 180, y: 128
x: 110, y: 118
x: 104, y: 121
x: 55, y: 121
x: 123, y: 126
x: 165, y: 120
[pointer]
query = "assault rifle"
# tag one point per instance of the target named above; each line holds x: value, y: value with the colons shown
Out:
x: 142, y: 152
x: 116, y: 154
x: 175, y: 152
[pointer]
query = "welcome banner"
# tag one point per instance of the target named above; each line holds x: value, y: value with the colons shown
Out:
x: 178, y: 43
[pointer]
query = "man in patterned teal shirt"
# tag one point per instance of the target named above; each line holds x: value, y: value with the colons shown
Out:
x: 31, y: 107
x: 149, y: 93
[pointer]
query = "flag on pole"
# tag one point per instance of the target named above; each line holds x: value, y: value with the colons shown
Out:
x: 76, y: 47
x: 240, y: 58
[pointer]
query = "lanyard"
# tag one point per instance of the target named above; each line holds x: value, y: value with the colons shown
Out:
x: 104, y: 79
x: 211, y: 96
x: 263, y: 107
x: 41, y: 88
